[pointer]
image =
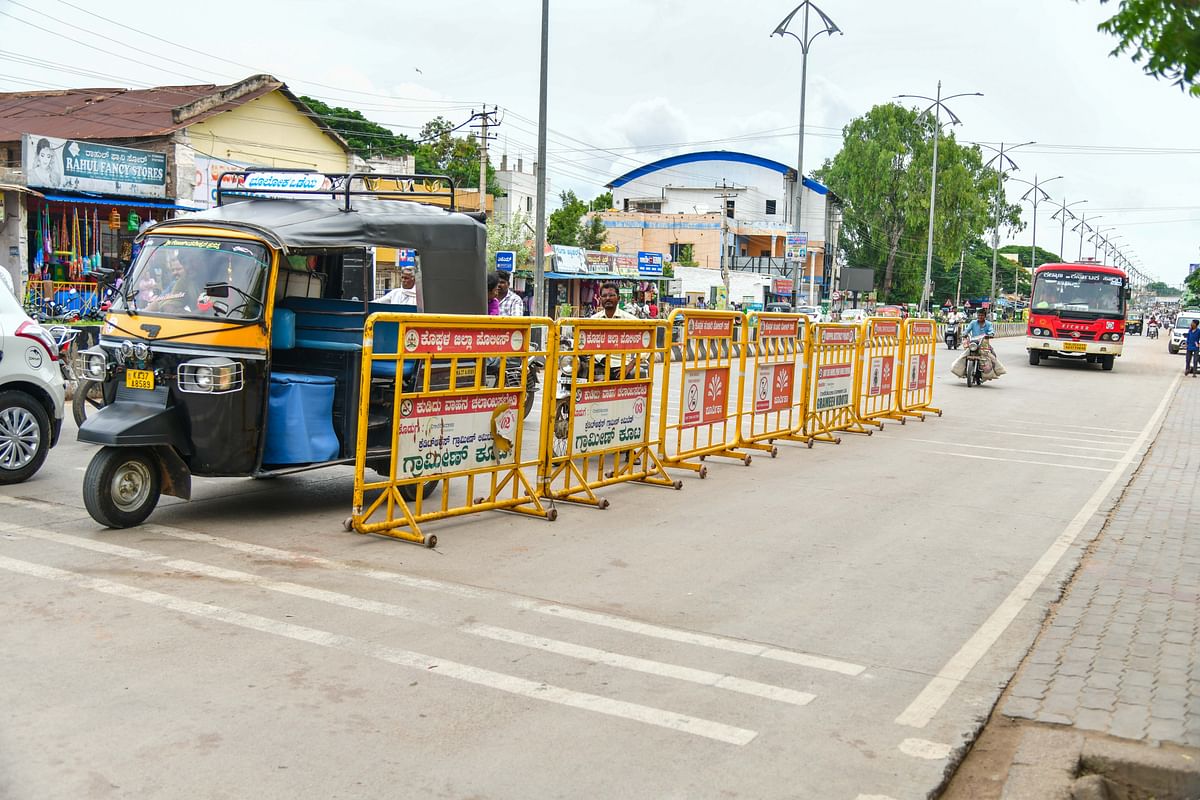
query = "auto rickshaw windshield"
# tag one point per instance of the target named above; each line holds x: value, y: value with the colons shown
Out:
x: 171, y: 272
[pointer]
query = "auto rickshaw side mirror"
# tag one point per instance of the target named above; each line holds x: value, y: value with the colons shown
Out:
x: 216, y: 289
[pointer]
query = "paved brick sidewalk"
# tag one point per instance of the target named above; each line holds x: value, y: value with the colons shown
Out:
x: 1121, y: 653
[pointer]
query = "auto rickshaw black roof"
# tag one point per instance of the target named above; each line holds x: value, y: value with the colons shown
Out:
x: 452, y: 244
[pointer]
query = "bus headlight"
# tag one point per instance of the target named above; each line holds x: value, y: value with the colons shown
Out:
x: 210, y: 376
x: 1037, y: 331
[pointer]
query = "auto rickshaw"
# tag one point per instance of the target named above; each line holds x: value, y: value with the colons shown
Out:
x: 235, y: 346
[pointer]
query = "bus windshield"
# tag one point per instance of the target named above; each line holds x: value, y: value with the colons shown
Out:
x: 171, y: 272
x: 1084, y: 292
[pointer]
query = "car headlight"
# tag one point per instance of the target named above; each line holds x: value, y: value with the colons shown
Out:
x: 92, y: 364
x: 210, y: 376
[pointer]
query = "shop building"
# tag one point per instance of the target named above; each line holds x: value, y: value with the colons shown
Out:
x: 722, y: 208
x: 83, y: 169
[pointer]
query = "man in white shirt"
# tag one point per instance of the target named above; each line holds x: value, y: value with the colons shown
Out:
x: 406, y: 293
x: 511, y: 303
x: 610, y: 297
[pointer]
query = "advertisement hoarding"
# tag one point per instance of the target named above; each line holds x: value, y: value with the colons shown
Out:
x: 51, y: 163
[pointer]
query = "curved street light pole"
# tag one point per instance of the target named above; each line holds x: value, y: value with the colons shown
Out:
x: 1080, y: 227
x: 1035, y: 195
x: 938, y: 104
x: 805, y: 40
x: 1000, y: 158
x: 1062, y: 213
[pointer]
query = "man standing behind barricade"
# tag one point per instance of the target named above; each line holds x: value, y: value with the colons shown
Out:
x: 610, y: 297
x: 511, y: 304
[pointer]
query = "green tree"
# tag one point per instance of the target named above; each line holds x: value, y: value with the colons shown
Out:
x: 564, y: 226
x: 1162, y: 35
x: 366, y: 138
x: 1165, y: 289
x: 882, y: 175
x: 511, y: 234
x: 603, y: 202
x: 593, y: 233
x: 442, y: 153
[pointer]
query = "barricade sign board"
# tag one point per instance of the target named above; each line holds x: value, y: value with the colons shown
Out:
x: 772, y: 400
x: 705, y: 417
x: 597, y: 428
x: 441, y: 403
x: 918, y: 347
x: 880, y: 358
x: 833, y: 375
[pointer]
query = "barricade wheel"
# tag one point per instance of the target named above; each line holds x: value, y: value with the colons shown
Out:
x: 552, y: 514
x: 746, y: 461
x: 430, y: 541
x: 774, y: 452
x: 703, y: 457
x: 903, y: 421
x: 348, y: 524
x: 678, y: 484
x: 810, y: 444
x: 923, y: 419
x: 837, y: 440
x: 603, y: 504
x: 703, y: 473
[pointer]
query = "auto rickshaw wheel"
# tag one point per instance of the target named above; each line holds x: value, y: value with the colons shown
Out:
x: 530, y: 397
x: 409, y: 490
x: 88, y: 397
x: 121, y: 486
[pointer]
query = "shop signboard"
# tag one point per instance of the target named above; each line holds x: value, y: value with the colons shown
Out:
x: 406, y: 257
x: 781, y: 285
x: 505, y: 260
x: 610, y: 416
x: 598, y: 263
x: 569, y: 259
x: 796, y: 246
x: 649, y: 265
x: 51, y: 163
x: 625, y: 266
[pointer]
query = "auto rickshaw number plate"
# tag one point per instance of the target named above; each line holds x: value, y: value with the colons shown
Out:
x: 1079, y: 347
x: 139, y: 379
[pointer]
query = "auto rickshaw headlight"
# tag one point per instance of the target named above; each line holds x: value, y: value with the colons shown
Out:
x: 92, y: 364
x: 210, y: 376
x: 141, y: 351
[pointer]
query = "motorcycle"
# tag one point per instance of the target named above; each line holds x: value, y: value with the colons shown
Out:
x: 953, y: 335
x: 977, y: 360
x: 1152, y: 331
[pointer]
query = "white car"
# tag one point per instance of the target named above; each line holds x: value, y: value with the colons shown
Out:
x: 1179, y: 331
x: 31, y: 391
x: 854, y: 315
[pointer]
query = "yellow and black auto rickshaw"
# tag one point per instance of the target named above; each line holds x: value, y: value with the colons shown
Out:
x: 235, y: 346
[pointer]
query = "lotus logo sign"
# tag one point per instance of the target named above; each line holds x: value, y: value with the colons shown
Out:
x: 705, y: 396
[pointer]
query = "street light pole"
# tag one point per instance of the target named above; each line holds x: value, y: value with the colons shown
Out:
x: 830, y: 27
x: 1062, y: 214
x: 1035, y: 194
x: 999, y: 158
x: 539, y: 259
x: 937, y: 105
x: 1083, y: 224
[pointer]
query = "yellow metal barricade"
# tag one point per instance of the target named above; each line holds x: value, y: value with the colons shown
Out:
x: 879, y: 357
x: 832, y: 374
x: 703, y: 420
x: 914, y: 391
x: 441, y: 401
x: 599, y: 430
x: 771, y: 399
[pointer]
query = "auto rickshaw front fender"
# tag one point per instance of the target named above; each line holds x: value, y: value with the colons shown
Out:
x: 137, y: 419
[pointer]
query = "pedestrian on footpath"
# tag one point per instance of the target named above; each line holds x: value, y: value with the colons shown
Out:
x: 1192, y: 361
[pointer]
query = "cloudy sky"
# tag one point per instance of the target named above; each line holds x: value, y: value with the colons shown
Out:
x: 635, y: 80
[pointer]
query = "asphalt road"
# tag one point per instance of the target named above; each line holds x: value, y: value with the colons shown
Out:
x: 833, y: 623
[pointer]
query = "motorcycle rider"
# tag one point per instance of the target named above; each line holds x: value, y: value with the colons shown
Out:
x: 954, y: 321
x: 982, y: 329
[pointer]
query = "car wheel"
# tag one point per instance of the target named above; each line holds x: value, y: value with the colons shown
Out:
x: 122, y: 486
x: 1173, y: 350
x: 24, y: 436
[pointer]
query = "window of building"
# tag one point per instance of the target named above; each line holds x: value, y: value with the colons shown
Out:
x: 528, y: 205
x: 770, y: 207
x: 647, y: 206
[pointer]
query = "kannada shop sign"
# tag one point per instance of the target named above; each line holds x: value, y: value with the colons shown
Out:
x: 705, y: 395
x: 610, y: 416
x: 650, y: 265
x: 834, y: 386
x: 505, y: 260
x: 437, y: 435
x: 51, y: 163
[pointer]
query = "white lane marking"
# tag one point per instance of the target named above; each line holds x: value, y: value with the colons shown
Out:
x: 428, y: 584
x: 700, y: 639
x: 938, y: 690
x: 406, y: 658
x: 874, y: 797
x: 923, y: 748
x: 1018, y: 461
x: 1060, y: 454
x: 567, y: 649
x: 1117, y: 438
x: 1081, y: 427
x: 700, y: 676
x: 1061, y: 439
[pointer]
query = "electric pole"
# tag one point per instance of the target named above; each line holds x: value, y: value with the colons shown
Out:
x: 725, y: 197
x: 486, y: 119
x: 958, y: 292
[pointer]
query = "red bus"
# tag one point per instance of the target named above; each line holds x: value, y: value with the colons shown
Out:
x: 1077, y: 311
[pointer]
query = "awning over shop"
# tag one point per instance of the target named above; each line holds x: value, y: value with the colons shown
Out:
x: 106, y: 201
x: 592, y: 276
